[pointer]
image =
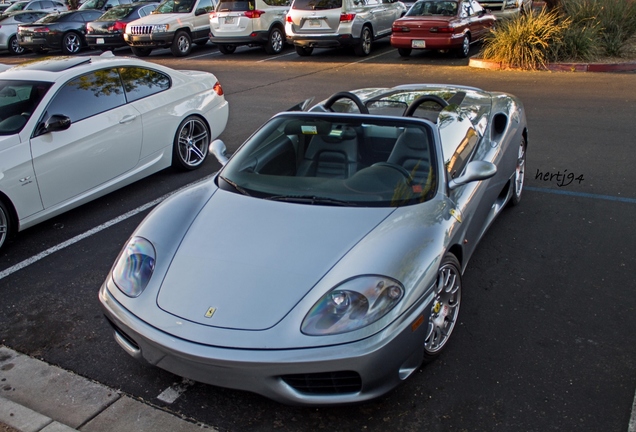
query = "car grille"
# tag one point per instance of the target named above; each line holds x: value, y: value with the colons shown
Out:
x: 325, y: 383
x: 140, y: 29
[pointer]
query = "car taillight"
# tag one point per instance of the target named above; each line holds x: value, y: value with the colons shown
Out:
x: 41, y: 30
x: 253, y: 14
x: 400, y: 29
x: 117, y: 26
x: 442, y: 29
x: 347, y: 17
x: 212, y: 14
x: 289, y: 19
x: 218, y: 89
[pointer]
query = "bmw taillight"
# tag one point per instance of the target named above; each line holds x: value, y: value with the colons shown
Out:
x: 218, y: 89
x: 253, y: 13
x: 117, y: 26
x: 347, y: 17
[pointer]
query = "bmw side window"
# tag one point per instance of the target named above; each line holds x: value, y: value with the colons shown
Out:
x: 140, y: 82
x: 88, y: 95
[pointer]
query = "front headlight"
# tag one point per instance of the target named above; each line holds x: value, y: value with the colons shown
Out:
x: 353, y: 304
x: 160, y: 28
x: 134, y: 267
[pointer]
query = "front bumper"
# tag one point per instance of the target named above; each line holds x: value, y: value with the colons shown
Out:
x: 356, y: 371
x: 149, y: 40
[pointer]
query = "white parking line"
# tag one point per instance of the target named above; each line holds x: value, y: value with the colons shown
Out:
x: 632, y: 421
x: 69, y: 242
x: 171, y: 394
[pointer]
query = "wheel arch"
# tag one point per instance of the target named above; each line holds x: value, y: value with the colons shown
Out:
x: 13, y: 213
x: 457, y: 250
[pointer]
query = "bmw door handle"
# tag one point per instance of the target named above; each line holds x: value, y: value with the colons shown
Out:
x: 127, y: 119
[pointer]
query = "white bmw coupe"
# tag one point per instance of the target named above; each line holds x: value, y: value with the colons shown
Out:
x: 76, y: 128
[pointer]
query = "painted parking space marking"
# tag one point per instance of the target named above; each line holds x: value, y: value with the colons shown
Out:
x: 632, y: 421
x: 27, y: 262
x: 173, y: 392
x: 583, y: 195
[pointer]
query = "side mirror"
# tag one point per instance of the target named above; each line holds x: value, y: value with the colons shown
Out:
x: 475, y: 171
x: 56, y: 123
x: 200, y: 11
x: 218, y: 149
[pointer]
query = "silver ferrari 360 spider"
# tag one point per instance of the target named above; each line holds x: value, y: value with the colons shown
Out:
x: 323, y: 263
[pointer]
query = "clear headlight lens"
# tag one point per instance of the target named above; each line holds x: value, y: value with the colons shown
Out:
x: 353, y: 304
x: 160, y: 28
x: 134, y: 267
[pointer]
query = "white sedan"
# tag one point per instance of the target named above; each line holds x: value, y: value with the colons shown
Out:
x: 76, y: 128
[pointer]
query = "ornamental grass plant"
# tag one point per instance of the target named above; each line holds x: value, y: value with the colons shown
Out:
x: 525, y: 42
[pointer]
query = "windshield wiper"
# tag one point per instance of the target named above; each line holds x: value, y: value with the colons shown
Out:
x: 310, y: 199
x: 235, y: 186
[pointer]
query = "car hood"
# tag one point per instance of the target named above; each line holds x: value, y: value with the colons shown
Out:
x: 167, y: 18
x: 246, y: 262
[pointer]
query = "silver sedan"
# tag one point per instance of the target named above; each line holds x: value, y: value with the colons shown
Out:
x: 323, y: 263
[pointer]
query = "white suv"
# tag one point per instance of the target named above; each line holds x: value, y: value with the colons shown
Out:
x: 175, y: 24
x: 331, y: 23
x: 249, y: 22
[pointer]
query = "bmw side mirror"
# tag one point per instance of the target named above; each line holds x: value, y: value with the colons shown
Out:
x: 475, y: 171
x: 218, y: 149
x: 54, y: 123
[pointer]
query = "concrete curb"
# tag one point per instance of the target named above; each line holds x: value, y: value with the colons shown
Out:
x: 38, y: 397
x: 557, y: 67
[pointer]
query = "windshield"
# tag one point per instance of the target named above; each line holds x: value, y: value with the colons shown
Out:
x: 423, y: 8
x: 117, y: 12
x: 327, y: 159
x: 18, y: 6
x: 175, y: 6
x: 18, y: 100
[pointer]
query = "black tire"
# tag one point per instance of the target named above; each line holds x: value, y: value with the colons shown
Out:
x: 304, y: 51
x: 71, y: 43
x: 6, y: 225
x: 191, y: 143
x: 363, y: 47
x: 404, y: 52
x: 182, y: 44
x: 226, y: 49
x: 465, y: 48
x: 275, y: 41
x: 141, y: 52
x: 444, y: 308
x: 518, y: 179
x: 14, y: 47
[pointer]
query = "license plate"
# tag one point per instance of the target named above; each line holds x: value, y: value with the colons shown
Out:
x: 27, y: 39
x: 418, y: 44
x: 100, y: 40
x: 314, y: 23
x: 229, y: 20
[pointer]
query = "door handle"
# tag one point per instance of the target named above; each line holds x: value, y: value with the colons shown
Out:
x: 127, y: 119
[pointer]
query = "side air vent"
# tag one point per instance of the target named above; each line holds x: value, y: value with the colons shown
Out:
x: 326, y: 383
x: 499, y: 123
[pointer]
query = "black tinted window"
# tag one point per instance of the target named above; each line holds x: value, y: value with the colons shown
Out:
x: 140, y: 82
x: 88, y: 95
x: 317, y: 4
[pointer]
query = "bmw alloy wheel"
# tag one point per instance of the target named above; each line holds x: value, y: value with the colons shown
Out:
x: 445, y: 308
x: 4, y: 224
x: 191, y: 143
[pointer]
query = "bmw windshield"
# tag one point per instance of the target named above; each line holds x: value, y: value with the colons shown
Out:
x: 335, y: 159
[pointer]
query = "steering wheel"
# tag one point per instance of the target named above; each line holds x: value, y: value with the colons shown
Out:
x: 346, y: 95
x: 420, y: 100
x: 399, y: 168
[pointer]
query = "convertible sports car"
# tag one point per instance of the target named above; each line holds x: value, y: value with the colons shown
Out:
x: 75, y: 128
x: 323, y: 263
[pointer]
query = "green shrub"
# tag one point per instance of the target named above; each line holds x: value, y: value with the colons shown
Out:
x: 578, y: 43
x: 525, y: 42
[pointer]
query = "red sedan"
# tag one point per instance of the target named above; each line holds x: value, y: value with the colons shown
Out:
x: 441, y: 25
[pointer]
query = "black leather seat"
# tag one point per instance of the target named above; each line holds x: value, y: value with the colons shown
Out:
x: 333, y: 155
x: 411, y: 151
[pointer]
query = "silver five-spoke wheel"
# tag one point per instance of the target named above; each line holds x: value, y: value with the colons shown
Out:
x: 191, y: 143
x: 445, y: 307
